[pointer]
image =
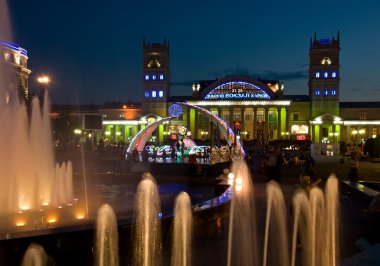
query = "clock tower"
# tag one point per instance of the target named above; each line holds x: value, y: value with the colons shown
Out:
x: 324, y: 75
x: 155, y: 77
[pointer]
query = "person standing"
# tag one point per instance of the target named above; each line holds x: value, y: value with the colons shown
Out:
x: 354, y: 166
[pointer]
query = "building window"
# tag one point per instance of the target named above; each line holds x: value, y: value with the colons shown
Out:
x: 215, y: 112
x: 374, y: 131
x: 121, y: 116
x: 146, y: 94
x: 260, y: 115
x: 146, y: 77
x: 333, y: 92
x: 237, y: 115
x: 161, y: 94
x: 104, y: 116
x: 226, y: 115
x: 317, y: 92
x: 317, y: 74
x: 333, y: 75
x: 326, y: 74
x: 154, y: 76
x: 154, y: 94
x: 325, y: 92
x: 296, y: 116
x: 161, y: 77
x: 248, y: 115
x: 363, y: 116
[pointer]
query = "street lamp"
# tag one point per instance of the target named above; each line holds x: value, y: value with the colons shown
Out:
x: 44, y: 81
x: 362, y: 132
x: 354, y: 133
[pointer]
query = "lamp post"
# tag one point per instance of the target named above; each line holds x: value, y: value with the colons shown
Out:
x: 354, y: 133
x: 44, y: 81
x: 361, y: 132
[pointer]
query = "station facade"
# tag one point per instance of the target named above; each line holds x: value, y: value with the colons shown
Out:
x: 254, y: 108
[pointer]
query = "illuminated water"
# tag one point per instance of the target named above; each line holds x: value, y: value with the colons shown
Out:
x: 316, y: 225
x: 35, y: 255
x: 147, y: 239
x: 182, y: 227
x: 242, y: 241
x: 276, y: 236
x: 107, y: 240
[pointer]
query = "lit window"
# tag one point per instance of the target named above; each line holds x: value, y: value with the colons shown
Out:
x: 325, y: 92
x: 317, y: 74
x: 333, y: 92
x: 317, y: 92
x: 161, y: 94
x: 121, y: 116
x: 333, y: 75
x: 154, y: 76
x: 146, y: 77
x: 325, y: 75
x: 161, y: 77
x: 154, y: 94
x: 146, y: 94
x: 363, y: 116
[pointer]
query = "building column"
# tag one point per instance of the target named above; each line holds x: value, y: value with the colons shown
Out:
x: 278, y: 123
x: 242, y: 111
x: 254, y: 123
x: 266, y: 124
x: 287, y: 122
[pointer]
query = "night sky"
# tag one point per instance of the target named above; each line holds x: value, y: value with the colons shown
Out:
x: 93, y: 49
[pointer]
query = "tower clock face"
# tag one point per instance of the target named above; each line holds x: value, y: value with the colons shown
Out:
x: 153, y: 62
x: 326, y: 61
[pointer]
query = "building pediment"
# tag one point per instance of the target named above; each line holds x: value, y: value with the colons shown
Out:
x: 237, y: 88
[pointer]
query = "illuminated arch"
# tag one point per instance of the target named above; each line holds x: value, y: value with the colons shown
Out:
x: 237, y: 87
x: 138, y: 142
x: 224, y: 129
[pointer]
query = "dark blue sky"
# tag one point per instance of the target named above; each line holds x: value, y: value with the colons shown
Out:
x: 92, y: 49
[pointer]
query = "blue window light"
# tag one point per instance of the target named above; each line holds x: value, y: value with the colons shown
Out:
x: 317, y: 92
x: 317, y: 74
x: 161, y: 77
x: 146, y: 94
x: 146, y: 77
x: 333, y: 92
x: 333, y: 74
x: 154, y: 94
x: 326, y: 75
x: 325, y: 92
x: 154, y: 76
x: 161, y: 94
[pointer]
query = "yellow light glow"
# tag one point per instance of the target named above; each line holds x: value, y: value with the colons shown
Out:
x: 45, y: 203
x: 80, y: 216
x: 118, y: 133
x: 77, y: 131
x: 52, y: 220
x: 238, y: 181
x: 361, y: 131
x: 20, y: 223
x: 354, y: 132
x: 124, y: 106
x: 107, y: 133
x: 43, y: 80
x: 239, y: 188
x: 231, y: 176
x: 25, y: 207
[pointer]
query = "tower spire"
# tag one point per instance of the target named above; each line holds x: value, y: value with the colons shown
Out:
x: 315, y: 37
x: 338, y: 37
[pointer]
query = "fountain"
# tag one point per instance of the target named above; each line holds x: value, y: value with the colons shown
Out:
x: 35, y: 255
x: 147, y: 241
x: 182, y: 226
x: 107, y: 240
x: 242, y: 240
